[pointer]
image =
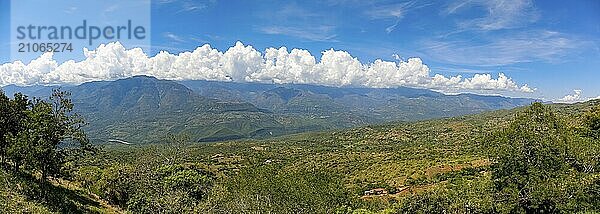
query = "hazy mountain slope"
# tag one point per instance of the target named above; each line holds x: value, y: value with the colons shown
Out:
x: 33, y: 91
x: 376, y: 104
x: 144, y: 109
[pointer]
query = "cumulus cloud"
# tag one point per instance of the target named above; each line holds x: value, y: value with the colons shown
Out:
x: 242, y: 63
x: 572, y: 98
x: 576, y: 96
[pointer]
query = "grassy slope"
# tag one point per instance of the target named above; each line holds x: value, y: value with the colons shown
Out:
x: 20, y: 194
x: 406, y: 156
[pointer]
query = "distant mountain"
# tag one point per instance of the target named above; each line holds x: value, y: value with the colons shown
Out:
x: 142, y: 109
x: 145, y: 109
x: 371, y: 104
x: 32, y: 91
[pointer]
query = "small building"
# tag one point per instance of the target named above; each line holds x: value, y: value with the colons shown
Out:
x: 377, y: 191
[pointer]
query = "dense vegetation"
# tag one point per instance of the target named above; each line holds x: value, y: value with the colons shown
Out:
x: 538, y: 159
x: 38, y: 135
x: 38, y: 139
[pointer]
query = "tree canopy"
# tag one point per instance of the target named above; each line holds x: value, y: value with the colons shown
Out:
x: 538, y: 164
x: 38, y: 135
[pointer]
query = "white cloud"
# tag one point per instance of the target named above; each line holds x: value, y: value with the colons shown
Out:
x: 504, y: 49
x: 392, y: 27
x: 500, y: 32
x: 486, y: 82
x: 295, y: 21
x: 499, y: 14
x: 572, y: 98
x: 173, y: 37
x: 394, y: 11
x: 243, y: 63
x: 187, y: 5
x: 312, y: 33
x: 577, y: 96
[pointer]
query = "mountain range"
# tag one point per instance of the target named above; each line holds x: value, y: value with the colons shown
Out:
x: 144, y: 109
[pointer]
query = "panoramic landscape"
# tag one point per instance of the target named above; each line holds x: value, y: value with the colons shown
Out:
x: 185, y: 106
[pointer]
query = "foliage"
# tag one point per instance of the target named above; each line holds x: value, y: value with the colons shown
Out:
x: 536, y: 159
x: 189, y: 177
x: 533, y: 168
x: 22, y: 193
x: 12, y: 121
x: 38, y: 137
x: 270, y: 189
x: 159, y: 180
x: 114, y: 184
x: 591, y: 121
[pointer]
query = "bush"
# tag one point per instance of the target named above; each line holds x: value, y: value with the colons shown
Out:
x: 269, y: 189
x: 535, y: 166
x: 190, y: 178
x: 116, y: 184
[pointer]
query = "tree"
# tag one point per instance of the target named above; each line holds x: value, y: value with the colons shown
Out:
x: 12, y: 119
x: 57, y: 132
x: 192, y: 179
x: 532, y: 164
x: 4, y: 113
x: 591, y: 121
x: 40, y: 134
x: 526, y: 155
x: 116, y: 184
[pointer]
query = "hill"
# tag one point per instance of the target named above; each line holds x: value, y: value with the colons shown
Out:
x: 440, y: 165
x: 18, y: 194
x: 145, y: 109
x: 431, y: 166
x: 377, y: 104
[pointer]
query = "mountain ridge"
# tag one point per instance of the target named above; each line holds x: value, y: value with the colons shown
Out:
x: 143, y: 109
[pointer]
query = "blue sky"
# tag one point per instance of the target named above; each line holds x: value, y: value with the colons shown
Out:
x: 553, y: 46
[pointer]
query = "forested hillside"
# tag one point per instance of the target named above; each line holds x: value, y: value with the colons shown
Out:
x: 142, y: 109
x: 534, y: 159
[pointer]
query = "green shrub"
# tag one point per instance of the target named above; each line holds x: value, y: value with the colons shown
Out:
x: 270, y: 189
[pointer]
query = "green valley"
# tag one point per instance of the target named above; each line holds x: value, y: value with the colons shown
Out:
x: 539, y: 158
x: 300, y: 107
x: 142, y: 109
